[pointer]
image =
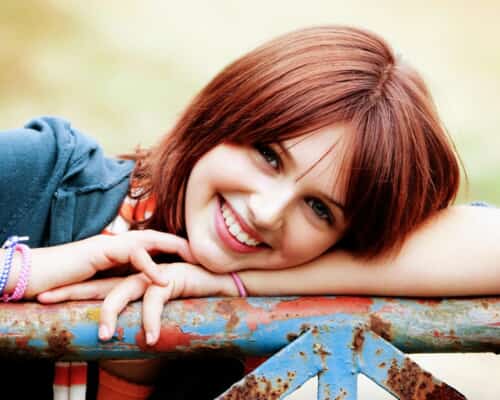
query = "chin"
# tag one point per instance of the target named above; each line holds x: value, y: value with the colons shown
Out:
x: 209, y: 258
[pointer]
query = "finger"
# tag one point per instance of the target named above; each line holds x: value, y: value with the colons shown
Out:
x: 91, y: 290
x: 152, y: 308
x: 128, y: 290
x: 142, y: 261
x: 168, y: 243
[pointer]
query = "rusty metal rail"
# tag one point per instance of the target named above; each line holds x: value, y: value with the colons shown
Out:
x: 332, y: 337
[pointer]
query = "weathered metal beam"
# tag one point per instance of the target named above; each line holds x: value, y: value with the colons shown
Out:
x: 337, y: 354
x: 255, y: 326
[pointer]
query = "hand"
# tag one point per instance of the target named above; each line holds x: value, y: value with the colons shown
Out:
x: 183, y: 280
x: 75, y: 262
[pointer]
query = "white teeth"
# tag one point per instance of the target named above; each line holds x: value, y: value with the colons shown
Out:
x: 235, y: 228
x: 242, y: 237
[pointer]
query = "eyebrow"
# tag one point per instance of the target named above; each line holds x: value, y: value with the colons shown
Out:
x: 289, y: 157
x: 336, y: 203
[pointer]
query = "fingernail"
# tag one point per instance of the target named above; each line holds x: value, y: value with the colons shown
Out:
x: 103, y: 332
x: 150, y: 340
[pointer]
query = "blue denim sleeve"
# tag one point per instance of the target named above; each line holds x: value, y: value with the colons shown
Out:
x: 45, y: 168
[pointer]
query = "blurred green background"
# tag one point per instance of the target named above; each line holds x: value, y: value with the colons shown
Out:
x: 123, y: 70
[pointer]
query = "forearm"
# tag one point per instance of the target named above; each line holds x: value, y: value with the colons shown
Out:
x: 455, y: 253
x: 51, y: 267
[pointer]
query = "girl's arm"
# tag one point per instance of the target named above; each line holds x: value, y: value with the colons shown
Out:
x: 455, y: 253
x: 56, y: 266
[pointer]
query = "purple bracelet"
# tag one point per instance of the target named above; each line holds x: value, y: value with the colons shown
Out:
x: 7, y: 265
x: 10, y: 245
x: 22, y: 282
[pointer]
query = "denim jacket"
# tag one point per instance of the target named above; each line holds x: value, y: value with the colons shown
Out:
x: 56, y: 185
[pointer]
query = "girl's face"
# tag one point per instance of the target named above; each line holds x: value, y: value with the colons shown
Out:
x: 264, y: 207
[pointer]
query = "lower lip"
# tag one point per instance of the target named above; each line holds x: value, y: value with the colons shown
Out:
x: 226, y: 237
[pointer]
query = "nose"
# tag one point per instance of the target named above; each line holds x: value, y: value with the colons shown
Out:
x: 268, y: 208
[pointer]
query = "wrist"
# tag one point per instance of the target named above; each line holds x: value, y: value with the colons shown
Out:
x: 228, y: 287
x: 57, y: 266
x: 40, y: 273
x: 15, y: 270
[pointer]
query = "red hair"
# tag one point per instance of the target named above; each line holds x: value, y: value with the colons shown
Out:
x: 401, y: 165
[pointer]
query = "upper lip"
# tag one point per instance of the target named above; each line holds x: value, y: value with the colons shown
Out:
x: 244, y: 226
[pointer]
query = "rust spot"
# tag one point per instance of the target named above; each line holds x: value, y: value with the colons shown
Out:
x: 291, y: 337
x: 453, y: 339
x: 410, y: 382
x: 444, y: 392
x: 381, y: 365
x: 259, y: 388
x: 319, y: 349
x: 358, y: 340
x: 378, y: 352
x: 380, y: 327
x: 429, y: 302
x: 59, y: 341
x: 119, y: 334
x: 342, y: 395
x: 22, y: 342
x: 226, y: 308
x: 14, y: 346
x: 485, y: 304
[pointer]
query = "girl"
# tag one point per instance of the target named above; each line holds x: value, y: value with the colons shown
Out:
x: 315, y: 164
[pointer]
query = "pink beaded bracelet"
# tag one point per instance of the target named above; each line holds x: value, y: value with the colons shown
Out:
x: 24, y: 275
x: 239, y: 284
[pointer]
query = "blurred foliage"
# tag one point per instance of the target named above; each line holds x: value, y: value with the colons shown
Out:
x: 123, y: 70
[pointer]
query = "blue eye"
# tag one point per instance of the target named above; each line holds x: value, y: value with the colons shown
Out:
x: 269, y: 156
x: 320, y: 209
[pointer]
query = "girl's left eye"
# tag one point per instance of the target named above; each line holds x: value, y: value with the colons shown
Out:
x: 269, y: 156
x: 320, y: 209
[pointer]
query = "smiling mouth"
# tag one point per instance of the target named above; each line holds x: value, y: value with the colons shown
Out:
x: 232, y: 230
x: 235, y: 228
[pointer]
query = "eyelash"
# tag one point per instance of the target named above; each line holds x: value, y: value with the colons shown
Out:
x: 269, y: 156
x: 317, y: 206
x: 320, y: 209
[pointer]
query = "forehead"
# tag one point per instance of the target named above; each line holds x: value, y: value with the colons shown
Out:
x: 318, y: 157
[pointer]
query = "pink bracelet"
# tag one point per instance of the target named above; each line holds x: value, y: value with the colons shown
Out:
x: 24, y: 275
x: 239, y: 284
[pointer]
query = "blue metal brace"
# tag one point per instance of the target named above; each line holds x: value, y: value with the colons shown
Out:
x: 337, y: 354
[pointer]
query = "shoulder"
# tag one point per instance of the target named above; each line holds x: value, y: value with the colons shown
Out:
x: 51, y: 149
x: 40, y: 146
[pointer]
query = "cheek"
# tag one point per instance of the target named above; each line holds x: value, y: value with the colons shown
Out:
x: 306, y: 244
